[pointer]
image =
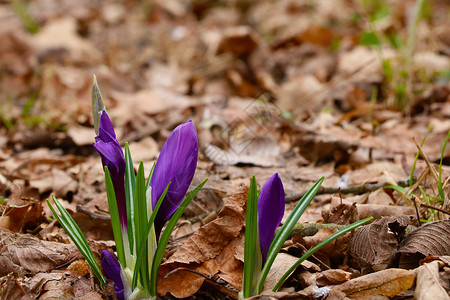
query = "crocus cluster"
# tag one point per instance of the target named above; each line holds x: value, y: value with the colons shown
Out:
x: 139, y: 210
x: 176, y: 165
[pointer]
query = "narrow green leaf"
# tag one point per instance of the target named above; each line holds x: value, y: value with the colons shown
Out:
x: 115, y: 220
x: 441, y: 190
x: 165, y: 236
x: 369, y: 39
x: 318, y: 247
x: 285, y: 230
x: 140, y: 218
x: 72, y: 229
x: 141, y: 248
x: 130, y: 181
x: 411, y: 175
x: 150, y: 176
x: 251, y: 239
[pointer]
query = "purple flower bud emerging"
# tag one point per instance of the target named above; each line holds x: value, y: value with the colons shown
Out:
x: 270, y: 211
x: 108, y: 147
x: 176, y: 164
x: 112, y: 269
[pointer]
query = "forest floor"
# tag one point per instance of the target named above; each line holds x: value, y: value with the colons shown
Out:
x: 347, y: 90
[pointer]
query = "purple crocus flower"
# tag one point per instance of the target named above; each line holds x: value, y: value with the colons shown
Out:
x: 176, y: 164
x: 112, y: 269
x: 270, y: 211
x: 109, y: 149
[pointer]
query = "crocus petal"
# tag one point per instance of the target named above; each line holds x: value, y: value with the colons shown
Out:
x: 270, y: 211
x: 176, y: 164
x: 109, y: 149
x: 112, y: 269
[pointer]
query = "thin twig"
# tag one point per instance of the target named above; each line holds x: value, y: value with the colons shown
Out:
x: 315, y: 257
x: 417, y: 211
x: 425, y: 158
x: 438, y: 209
x: 354, y: 189
x: 93, y: 215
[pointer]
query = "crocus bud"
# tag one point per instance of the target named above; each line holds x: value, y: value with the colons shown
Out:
x: 270, y: 211
x: 112, y: 270
x: 176, y: 164
x: 109, y: 149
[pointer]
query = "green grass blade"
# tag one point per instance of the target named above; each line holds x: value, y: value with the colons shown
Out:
x: 441, y: 190
x: 285, y: 230
x: 150, y: 175
x: 427, y: 200
x: 141, y: 247
x: 399, y: 189
x: 411, y: 175
x: 72, y: 229
x: 165, y: 236
x: 115, y: 220
x: 318, y: 247
x: 140, y: 218
x: 130, y: 181
x: 251, y: 238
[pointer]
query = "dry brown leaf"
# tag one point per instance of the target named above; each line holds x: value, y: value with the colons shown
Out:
x: 379, y: 211
x: 280, y: 266
x: 19, y: 213
x: 212, y: 248
x: 373, y: 245
x: 428, y: 286
x: 31, y: 254
x: 58, y: 40
x: 385, y: 283
x: 429, y: 240
x: 239, y: 40
x: 332, y: 277
x: 22, y: 288
x: 332, y: 250
x: 231, y: 262
x: 445, y: 259
x: 342, y: 214
x: 255, y: 151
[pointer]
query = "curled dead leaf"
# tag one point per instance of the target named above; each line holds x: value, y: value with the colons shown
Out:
x: 429, y: 240
x: 373, y: 245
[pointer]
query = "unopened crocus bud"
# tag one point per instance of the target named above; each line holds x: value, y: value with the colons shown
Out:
x: 270, y: 211
x: 176, y: 164
x: 109, y: 149
x: 112, y: 270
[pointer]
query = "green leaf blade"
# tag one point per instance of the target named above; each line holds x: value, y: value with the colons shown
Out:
x: 251, y: 239
x: 130, y: 181
x: 74, y: 232
x: 115, y: 219
x: 282, y: 235
x: 318, y: 247
x: 165, y: 236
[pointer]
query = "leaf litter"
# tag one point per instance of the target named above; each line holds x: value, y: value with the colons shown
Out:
x: 284, y: 86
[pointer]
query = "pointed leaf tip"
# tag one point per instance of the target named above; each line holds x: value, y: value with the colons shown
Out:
x: 97, y: 105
